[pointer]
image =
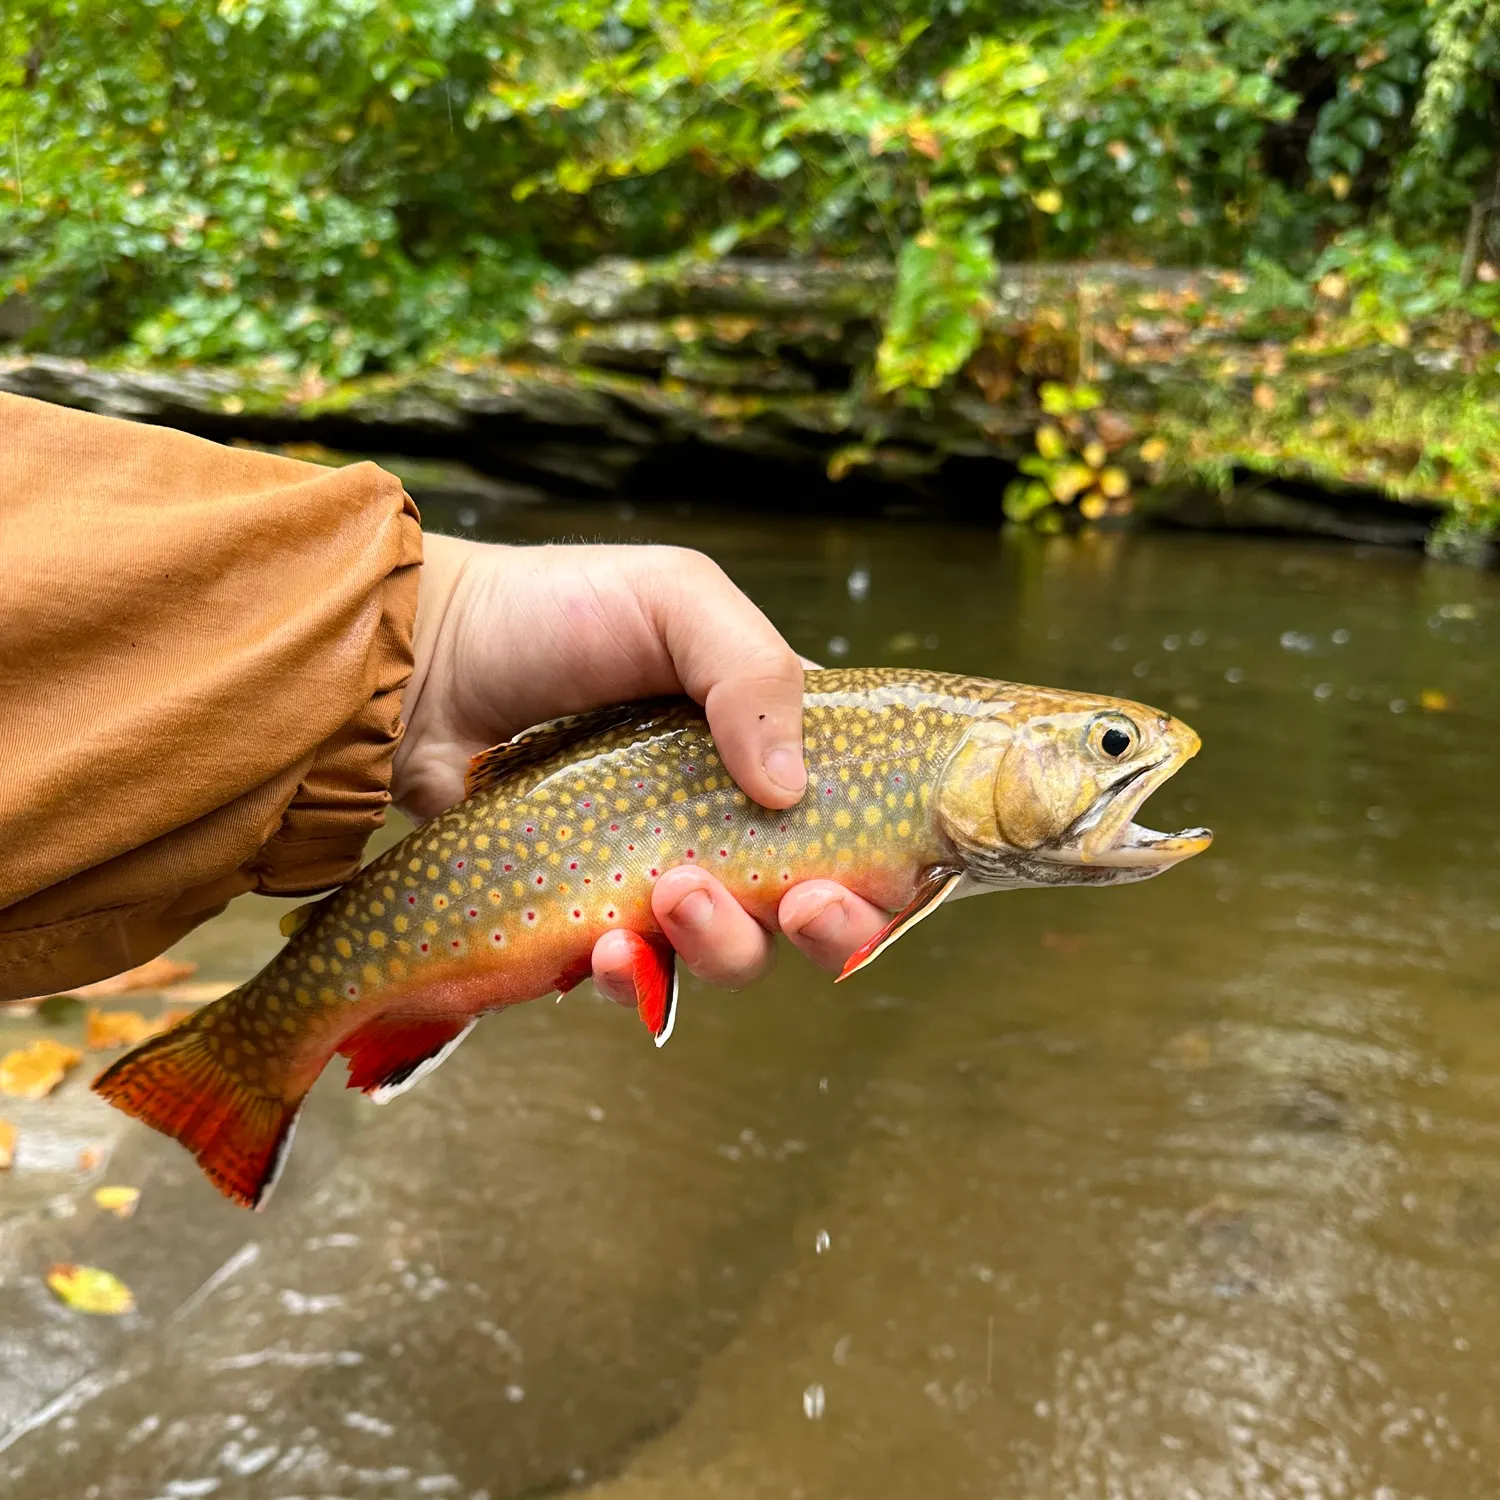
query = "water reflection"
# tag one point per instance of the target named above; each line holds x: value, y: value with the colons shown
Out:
x: 1183, y: 1189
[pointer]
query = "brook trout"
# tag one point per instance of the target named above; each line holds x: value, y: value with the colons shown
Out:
x: 922, y: 788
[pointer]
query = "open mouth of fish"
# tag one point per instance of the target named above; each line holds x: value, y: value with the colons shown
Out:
x: 1107, y: 834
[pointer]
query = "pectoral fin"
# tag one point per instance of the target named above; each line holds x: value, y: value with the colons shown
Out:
x: 654, y: 970
x: 935, y: 888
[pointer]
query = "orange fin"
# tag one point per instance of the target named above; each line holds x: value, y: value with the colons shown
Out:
x: 935, y: 888
x: 490, y: 768
x: 654, y: 971
x: 390, y: 1053
x: 177, y: 1086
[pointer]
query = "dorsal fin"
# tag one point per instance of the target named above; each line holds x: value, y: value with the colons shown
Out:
x: 490, y: 768
x: 294, y: 921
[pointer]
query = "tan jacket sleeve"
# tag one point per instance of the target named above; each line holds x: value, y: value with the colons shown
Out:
x: 202, y: 655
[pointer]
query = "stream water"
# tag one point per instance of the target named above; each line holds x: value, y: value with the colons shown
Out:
x: 1190, y: 1189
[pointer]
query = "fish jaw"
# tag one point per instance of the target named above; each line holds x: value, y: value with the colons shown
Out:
x: 1109, y: 838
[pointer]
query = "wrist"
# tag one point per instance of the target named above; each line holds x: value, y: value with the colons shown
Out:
x: 445, y: 560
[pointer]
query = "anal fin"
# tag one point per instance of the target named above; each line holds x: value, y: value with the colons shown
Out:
x: 388, y: 1054
x: 934, y: 888
x: 654, y: 971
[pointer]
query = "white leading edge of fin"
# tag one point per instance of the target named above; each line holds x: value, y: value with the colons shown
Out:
x: 671, y: 1020
x: 388, y: 1091
x: 917, y: 916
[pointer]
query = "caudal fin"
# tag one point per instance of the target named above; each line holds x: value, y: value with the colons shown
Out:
x: 177, y: 1085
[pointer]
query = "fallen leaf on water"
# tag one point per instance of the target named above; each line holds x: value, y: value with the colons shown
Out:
x: 1435, y: 702
x: 154, y: 974
x: 119, y: 1201
x: 7, y: 1145
x: 90, y: 1290
x: 33, y: 1072
x: 89, y: 1159
x: 197, y: 992
x: 126, y: 1028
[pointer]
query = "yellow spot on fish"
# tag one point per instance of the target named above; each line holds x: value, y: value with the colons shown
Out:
x: 316, y: 964
x: 841, y: 742
x: 414, y: 865
x: 903, y: 829
x: 342, y: 945
x: 813, y: 849
x: 396, y: 969
x: 371, y: 974
x: 814, y: 817
x: 872, y: 816
x: 432, y: 872
x: 377, y: 939
x: 377, y: 908
x: 440, y: 902
x: 456, y: 887
x: 841, y: 818
x: 399, y: 923
x: 429, y: 927
x: 679, y: 795
x: 302, y: 996
x: 482, y: 841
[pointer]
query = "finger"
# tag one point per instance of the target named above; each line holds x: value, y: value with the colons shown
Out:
x: 713, y: 934
x: 731, y: 658
x: 828, y: 922
x: 614, y: 969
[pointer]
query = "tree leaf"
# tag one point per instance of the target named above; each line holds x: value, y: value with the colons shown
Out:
x: 88, y: 1289
x: 33, y: 1072
x: 119, y: 1201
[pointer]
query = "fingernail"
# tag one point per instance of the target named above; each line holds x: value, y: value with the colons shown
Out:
x: 695, y: 911
x: 783, y: 764
x: 828, y: 924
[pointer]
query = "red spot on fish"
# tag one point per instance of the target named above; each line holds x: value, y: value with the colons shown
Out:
x: 618, y: 877
x: 690, y: 854
x: 530, y: 829
x: 498, y: 937
x: 655, y: 873
x: 411, y: 900
x: 509, y: 867
x: 752, y: 833
x: 473, y: 911
x: 459, y: 865
x: 531, y: 916
x: 423, y: 947
x: 640, y: 786
x: 541, y: 880
x: 729, y: 817
x: 456, y: 943
x: 754, y: 877
x: 656, y: 830
x: 588, y: 880
x: 610, y: 915
x: 782, y: 828
x: 723, y: 854
x: 576, y: 912
x: 588, y: 804
x: 614, y: 827
x: 786, y: 874
x: 631, y: 847
x: 898, y: 778
x: 573, y: 864
x: 352, y: 990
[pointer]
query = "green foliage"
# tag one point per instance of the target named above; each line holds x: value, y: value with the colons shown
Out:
x: 351, y: 184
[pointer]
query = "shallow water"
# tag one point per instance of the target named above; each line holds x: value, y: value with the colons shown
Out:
x: 1190, y: 1189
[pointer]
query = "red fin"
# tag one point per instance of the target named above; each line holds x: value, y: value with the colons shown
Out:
x: 573, y: 975
x: 176, y: 1085
x: 654, y: 971
x: 935, y: 887
x: 389, y: 1053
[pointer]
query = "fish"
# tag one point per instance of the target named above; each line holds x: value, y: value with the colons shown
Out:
x: 924, y: 788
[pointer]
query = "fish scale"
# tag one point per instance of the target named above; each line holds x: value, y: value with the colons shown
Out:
x: 564, y: 833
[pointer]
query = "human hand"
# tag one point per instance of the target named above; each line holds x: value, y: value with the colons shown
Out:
x: 507, y: 637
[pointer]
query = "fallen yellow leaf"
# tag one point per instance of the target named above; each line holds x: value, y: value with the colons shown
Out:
x: 105, y: 1029
x: 90, y: 1290
x: 154, y: 974
x: 33, y: 1072
x: 119, y: 1201
x: 197, y: 992
x: 7, y: 1145
x: 1435, y: 702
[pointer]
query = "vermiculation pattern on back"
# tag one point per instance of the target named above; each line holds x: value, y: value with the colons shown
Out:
x: 570, y: 845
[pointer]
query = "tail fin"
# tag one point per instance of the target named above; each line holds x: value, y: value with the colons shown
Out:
x: 177, y: 1084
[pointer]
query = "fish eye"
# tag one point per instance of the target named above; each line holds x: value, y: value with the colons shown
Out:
x: 1114, y: 737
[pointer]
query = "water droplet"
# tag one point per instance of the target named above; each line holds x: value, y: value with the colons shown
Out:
x: 515, y: 1394
x: 468, y: 517
x: 822, y: 1242
x: 1171, y: 642
x: 1235, y: 674
x: 1340, y: 637
x: 1398, y: 705
x: 859, y: 583
x: 813, y: 1402
x: 1120, y: 643
x: 1198, y: 638
x: 822, y: 1085
x: 593, y: 1111
x: 1141, y: 668
x: 838, y: 646
x: 1323, y: 690
x: 1295, y: 640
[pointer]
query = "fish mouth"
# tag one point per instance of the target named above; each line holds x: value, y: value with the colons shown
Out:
x: 1107, y: 836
